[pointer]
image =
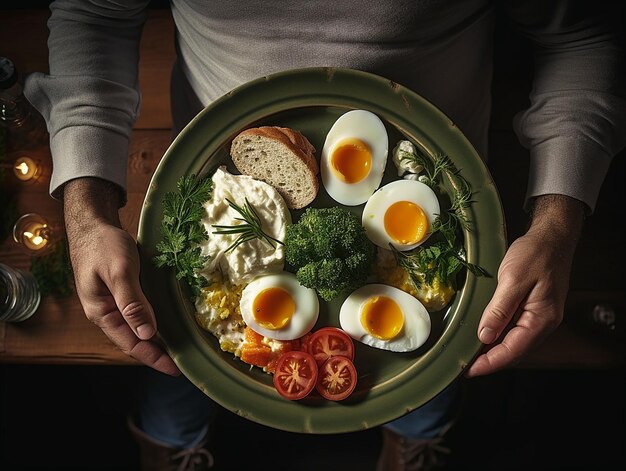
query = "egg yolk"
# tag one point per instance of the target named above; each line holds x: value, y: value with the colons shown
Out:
x: 405, y: 222
x: 351, y: 160
x: 273, y: 308
x: 382, y: 317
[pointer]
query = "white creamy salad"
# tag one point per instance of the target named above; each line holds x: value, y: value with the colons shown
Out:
x: 256, y: 256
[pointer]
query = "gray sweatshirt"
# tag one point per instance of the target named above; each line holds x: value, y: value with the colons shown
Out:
x: 441, y: 49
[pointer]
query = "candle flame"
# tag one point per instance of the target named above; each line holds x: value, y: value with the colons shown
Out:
x: 23, y: 168
x: 36, y: 240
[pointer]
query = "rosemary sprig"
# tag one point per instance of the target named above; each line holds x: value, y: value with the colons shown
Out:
x: 251, y: 228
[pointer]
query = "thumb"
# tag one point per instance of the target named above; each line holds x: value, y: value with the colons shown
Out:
x: 500, y: 310
x: 134, y: 307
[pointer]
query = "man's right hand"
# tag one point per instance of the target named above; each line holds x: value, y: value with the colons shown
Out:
x: 106, y: 271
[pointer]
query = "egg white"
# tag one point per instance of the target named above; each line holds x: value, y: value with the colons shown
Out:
x: 373, y: 218
x: 304, y: 317
x: 367, y: 127
x: 415, y: 330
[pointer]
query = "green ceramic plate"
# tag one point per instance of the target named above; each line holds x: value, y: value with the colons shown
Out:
x: 390, y: 384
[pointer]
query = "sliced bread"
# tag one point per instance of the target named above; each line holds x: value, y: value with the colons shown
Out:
x: 281, y: 157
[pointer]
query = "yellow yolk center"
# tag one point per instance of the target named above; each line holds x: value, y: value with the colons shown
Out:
x: 382, y: 317
x: 273, y: 308
x: 351, y: 160
x: 406, y: 222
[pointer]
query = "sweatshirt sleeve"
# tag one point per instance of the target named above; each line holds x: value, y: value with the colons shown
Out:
x: 90, y: 99
x: 576, y: 121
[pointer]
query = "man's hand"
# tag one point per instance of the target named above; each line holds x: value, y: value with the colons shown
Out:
x: 106, y: 271
x: 533, y: 282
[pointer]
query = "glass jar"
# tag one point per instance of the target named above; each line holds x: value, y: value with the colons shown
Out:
x: 19, y: 294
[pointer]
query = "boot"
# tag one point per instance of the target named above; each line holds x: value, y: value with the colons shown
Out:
x: 158, y: 456
x: 404, y: 454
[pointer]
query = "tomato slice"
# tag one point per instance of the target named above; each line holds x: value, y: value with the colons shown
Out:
x: 328, y: 342
x: 336, y: 378
x: 295, y: 375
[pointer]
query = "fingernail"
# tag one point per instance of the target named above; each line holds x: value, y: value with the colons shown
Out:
x: 487, y: 335
x: 145, y: 331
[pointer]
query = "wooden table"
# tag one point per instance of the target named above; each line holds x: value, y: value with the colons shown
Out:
x: 59, y: 333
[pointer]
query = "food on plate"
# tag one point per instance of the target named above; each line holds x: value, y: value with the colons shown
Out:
x: 240, y: 263
x: 434, y: 295
x: 354, y: 157
x: 231, y: 236
x: 330, y: 251
x: 432, y: 269
x: 336, y: 378
x: 264, y: 352
x: 217, y: 311
x: 403, y: 158
x: 278, y: 307
x: 295, y: 375
x: 385, y: 317
x: 329, y: 342
x: 281, y: 157
x: 182, y: 230
x: 401, y: 214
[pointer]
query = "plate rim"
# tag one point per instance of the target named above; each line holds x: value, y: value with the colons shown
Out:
x: 353, y: 413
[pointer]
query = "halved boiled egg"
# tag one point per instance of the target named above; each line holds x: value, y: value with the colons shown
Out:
x: 279, y: 307
x: 400, y: 213
x: 385, y: 317
x: 354, y: 157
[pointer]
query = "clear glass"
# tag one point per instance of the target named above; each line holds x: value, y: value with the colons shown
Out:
x: 19, y: 294
x: 14, y: 107
x: 33, y: 233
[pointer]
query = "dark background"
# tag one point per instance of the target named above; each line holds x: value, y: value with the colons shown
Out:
x: 73, y: 417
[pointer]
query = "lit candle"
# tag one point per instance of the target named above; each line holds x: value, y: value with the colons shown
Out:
x: 33, y: 232
x: 25, y: 169
x: 35, y: 236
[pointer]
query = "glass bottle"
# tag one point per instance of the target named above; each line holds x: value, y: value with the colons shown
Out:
x: 14, y: 107
x: 24, y: 125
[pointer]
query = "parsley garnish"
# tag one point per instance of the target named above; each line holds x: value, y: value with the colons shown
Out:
x: 183, y: 230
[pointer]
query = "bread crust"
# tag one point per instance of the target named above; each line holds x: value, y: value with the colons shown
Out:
x: 295, y: 141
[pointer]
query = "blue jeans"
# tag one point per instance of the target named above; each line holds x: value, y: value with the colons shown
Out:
x: 175, y: 412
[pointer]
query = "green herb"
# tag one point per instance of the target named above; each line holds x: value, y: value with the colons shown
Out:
x: 53, y: 271
x: 251, y: 228
x: 432, y: 168
x: 183, y: 230
x: 439, y: 262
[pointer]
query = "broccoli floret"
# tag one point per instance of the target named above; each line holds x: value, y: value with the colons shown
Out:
x: 330, y: 251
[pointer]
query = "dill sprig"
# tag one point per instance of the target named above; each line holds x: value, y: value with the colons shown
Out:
x: 252, y: 227
x: 183, y: 230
